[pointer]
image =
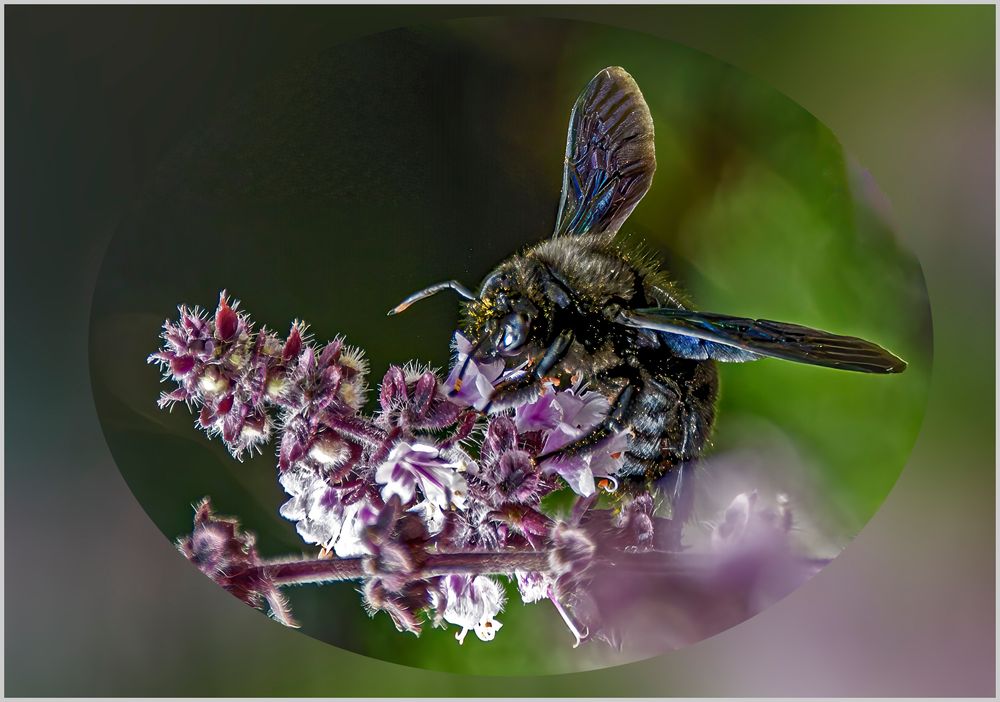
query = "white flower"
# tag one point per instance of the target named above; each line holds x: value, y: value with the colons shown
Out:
x: 356, y: 517
x: 473, y: 604
x: 431, y: 514
x: 321, y: 517
x: 420, y: 465
x: 310, y: 507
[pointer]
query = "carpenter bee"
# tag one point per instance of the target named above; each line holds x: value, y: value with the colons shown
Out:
x: 584, y: 304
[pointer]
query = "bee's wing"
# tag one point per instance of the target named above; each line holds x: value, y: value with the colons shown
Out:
x: 762, y: 337
x: 610, y: 157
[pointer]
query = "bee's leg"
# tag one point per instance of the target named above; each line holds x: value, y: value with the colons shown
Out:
x: 512, y: 389
x: 619, y: 415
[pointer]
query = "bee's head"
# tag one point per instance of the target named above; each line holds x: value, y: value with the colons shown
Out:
x: 510, y: 317
x: 502, y: 321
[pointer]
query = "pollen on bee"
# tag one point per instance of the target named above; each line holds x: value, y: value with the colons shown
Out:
x: 551, y: 379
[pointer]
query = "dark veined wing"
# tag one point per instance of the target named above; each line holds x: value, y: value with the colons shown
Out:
x: 762, y: 337
x: 610, y: 158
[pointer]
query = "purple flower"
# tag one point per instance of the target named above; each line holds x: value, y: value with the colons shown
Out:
x: 231, y: 372
x: 431, y: 514
x: 357, y: 516
x: 471, y: 382
x: 413, y: 465
x: 543, y: 414
x: 515, y: 478
x: 575, y: 413
x: 319, y: 398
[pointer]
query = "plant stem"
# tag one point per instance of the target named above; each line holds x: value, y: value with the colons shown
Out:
x: 333, y: 569
x: 655, y: 563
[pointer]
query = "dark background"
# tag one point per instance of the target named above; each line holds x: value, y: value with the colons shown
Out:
x: 98, y: 603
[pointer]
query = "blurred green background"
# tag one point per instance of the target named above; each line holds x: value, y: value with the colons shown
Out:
x: 753, y: 198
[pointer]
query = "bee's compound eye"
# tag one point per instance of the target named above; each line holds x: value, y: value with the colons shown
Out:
x: 515, y: 332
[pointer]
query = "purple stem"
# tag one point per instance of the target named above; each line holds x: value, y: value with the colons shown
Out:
x: 332, y: 569
x: 683, y: 565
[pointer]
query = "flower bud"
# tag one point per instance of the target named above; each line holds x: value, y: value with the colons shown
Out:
x: 227, y: 555
x: 181, y: 365
x: 226, y: 320
x: 403, y: 605
x: 293, y: 345
x: 501, y: 436
x: 393, y: 392
x: 514, y: 477
x: 328, y: 450
x: 212, y: 381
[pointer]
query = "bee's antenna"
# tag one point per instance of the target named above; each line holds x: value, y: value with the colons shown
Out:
x: 427, y: 292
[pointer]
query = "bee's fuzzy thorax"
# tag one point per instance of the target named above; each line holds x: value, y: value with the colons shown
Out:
x: 656, y: 281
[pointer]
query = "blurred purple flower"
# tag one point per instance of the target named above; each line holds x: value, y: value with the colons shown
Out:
x: 747, y: 525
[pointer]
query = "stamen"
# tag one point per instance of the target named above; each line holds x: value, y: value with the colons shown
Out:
x: 608, y: 483
x: 465, y: 364
x: 461, y: 372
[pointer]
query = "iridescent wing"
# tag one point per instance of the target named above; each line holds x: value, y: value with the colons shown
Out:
x: 610, y: 158
x: 751, y: 338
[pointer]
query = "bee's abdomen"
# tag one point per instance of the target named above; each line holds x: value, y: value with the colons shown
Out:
x: 652, y: 415
x: 671, y: 422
